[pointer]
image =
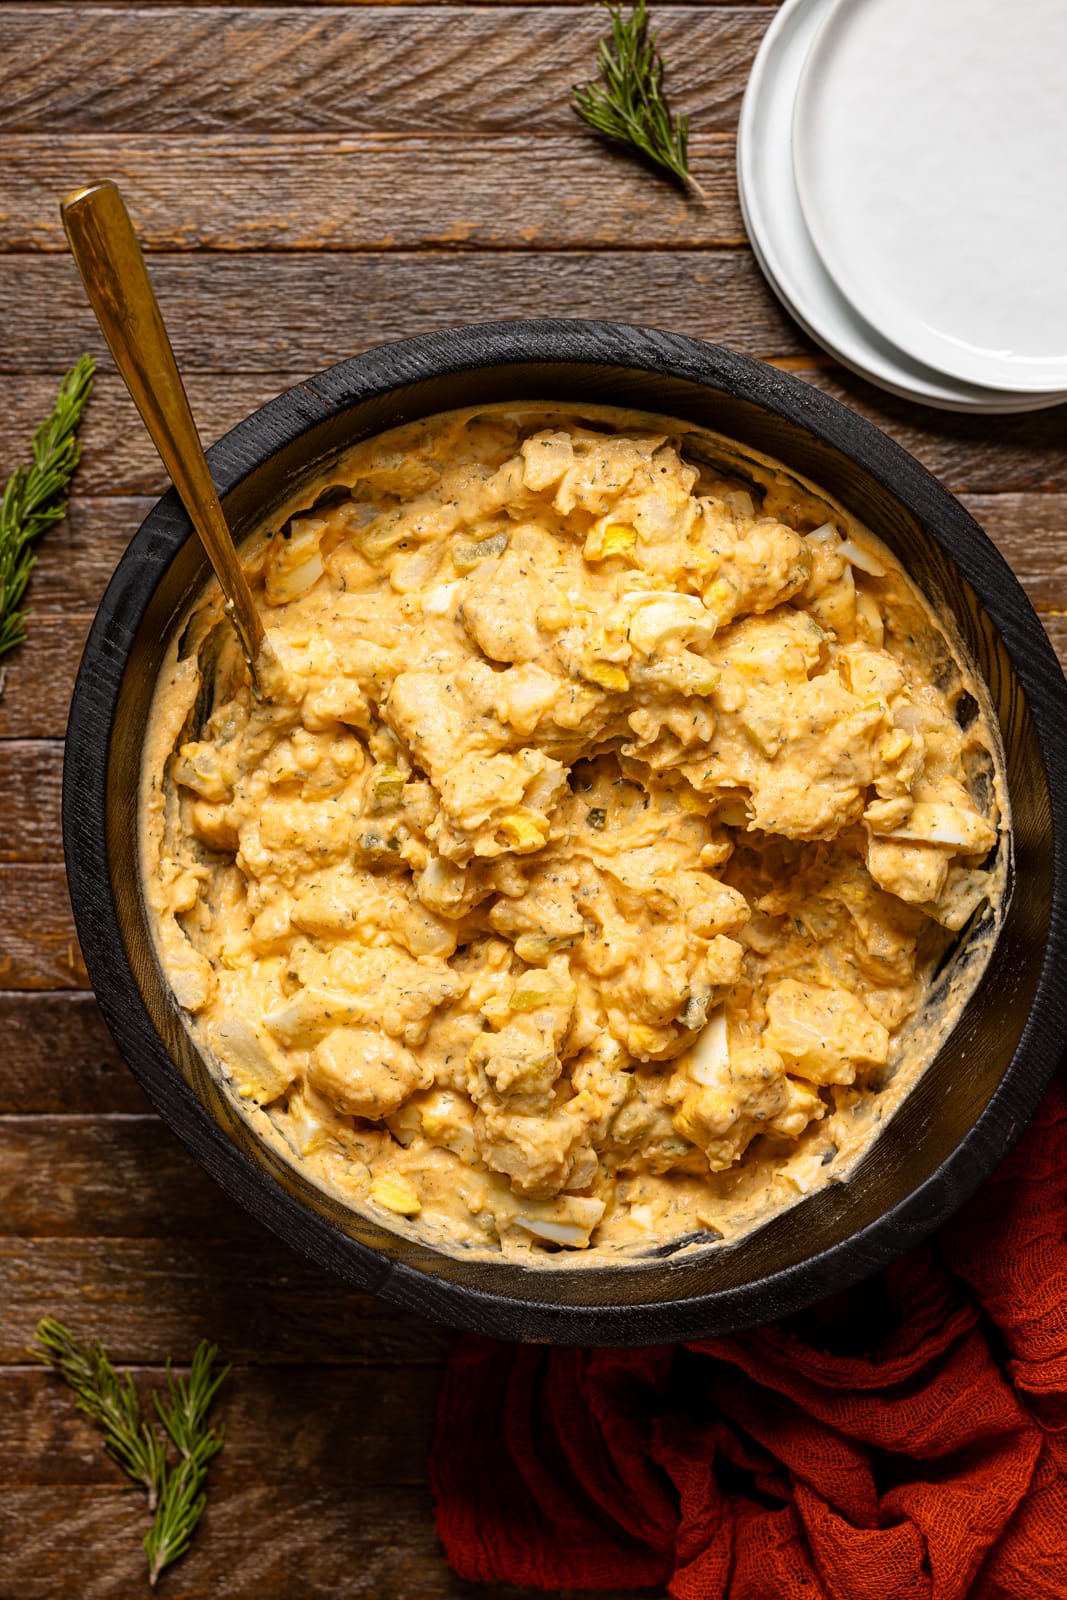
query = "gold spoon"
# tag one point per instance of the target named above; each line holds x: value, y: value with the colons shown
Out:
x: 113, y: 270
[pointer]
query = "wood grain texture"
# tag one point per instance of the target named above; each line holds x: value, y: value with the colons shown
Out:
x: 59, y: 1058
x: 31, y: 774
x: 334, y: 1428
x: 1030, y: 531
x: 979, y: 455
x: 403, y: 69
x: 254, y: 1541
x: 1056, y: 627
x: 76, y: 560
x: 262, y: 313
x: 303, y: 192
x: 40, y: 679
x: 148, y: 1299
x: 124, y: 1177
x: 40, y: 947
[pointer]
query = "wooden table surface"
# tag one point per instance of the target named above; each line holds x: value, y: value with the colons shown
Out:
x: 310, y: 180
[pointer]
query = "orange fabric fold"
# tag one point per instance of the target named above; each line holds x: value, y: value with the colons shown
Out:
x: 907, y: 1439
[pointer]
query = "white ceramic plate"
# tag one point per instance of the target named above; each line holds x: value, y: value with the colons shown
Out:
x: 929, y: 149
x: 784, y: 249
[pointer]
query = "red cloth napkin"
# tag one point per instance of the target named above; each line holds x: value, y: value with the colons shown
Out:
x: 907, y: 1439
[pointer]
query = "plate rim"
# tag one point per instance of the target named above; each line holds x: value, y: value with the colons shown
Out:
x: 899, y: 332
x: 760, y: 226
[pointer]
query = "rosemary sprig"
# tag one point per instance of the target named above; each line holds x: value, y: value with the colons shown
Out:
x: 183, y: 1413
x: 32, y: 498
x: 180, y: 1508
x: 110, y: 1400
x: 175, y: 1493
x: 187, y: 1402
x: 628, y: 105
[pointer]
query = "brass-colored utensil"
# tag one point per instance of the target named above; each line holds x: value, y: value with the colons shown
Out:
x: 113, y: 270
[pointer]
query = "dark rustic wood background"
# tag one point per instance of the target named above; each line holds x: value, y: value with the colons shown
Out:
x: 310, y: 180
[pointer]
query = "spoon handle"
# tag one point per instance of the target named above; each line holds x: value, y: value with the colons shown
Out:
x: 109, y: 258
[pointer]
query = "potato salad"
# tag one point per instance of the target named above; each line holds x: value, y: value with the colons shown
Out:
x: 579, y: 876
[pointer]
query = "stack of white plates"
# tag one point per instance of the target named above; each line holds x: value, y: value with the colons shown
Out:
x: 903, y: 175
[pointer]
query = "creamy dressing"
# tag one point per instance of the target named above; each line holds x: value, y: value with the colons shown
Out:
x: 581, y: 880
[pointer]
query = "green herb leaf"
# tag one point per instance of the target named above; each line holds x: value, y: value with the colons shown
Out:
x: 181, y: 1505
x: 110, y: 1400
x: 183, y: 1412
x: 187, y: 1402
x: 175, y: 1494
x: 627, y: 105
x: 32, y: 498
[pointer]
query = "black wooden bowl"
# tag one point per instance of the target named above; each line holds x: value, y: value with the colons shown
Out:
x: 973, y: 1100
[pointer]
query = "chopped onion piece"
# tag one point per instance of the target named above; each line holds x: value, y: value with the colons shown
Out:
x: 861, y: 558
x: 709, y: 1058
x: 822, y: 535
x: 556, y: 1232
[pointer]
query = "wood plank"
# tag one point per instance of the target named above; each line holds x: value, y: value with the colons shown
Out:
x: 307, y: 192
x: 117, y: 455
x: 271, y: 312
x: 60, y: 1058
x: 1030, y: 530
x: 40, y: 947
x: 269, y: 1541
x: 31, y: 776
x: 76, y: 559
x: 148, y: 1299
x: 335, y: 1428
x: 969, y: 453
x: 39, y: 680
x: 980, y: 455
x: 118, y: 1177
x: 404, y: 69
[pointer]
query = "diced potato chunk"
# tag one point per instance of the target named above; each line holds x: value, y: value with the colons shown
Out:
x: 258, y: 1068
x: 364, y: 1073
x: 824, y: 1033
x: 913, y: 872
